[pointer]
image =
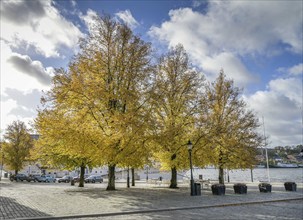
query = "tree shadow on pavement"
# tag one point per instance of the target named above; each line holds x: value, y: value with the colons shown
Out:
x: 11, y: 209
x: 131, y: 199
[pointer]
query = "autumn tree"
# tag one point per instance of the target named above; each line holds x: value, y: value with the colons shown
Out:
x: 65, y: 141
x: 107, y: 85
x: 16, y: 145
x: 175, y: 101
x: 229, y: 127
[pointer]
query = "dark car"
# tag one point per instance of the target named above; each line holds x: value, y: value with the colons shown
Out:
x: 93, y: 179
x: 77, y: 178
x: 64, y: 179
x: 18, y: 177
x: 32, y: 178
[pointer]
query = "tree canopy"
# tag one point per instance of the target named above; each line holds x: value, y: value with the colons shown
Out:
x: 16, y: 145
x: 175, y: 103
x: 116, y: 106
x: 229, y: 128
x: 106, y: 86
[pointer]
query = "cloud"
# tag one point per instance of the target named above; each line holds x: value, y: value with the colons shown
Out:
x: 232, y: 30
x: 231, y: 65
x: 89, y: 18
x: 18, y: 71
x: 19, y: 105
x: 127, y: 17
x: 73, y: 3
x: 37, y: 24
x: 32, y: 68
x: 289, y: 87
x: 296, y: 70
x: 22, y: 12
x: 280, y: 105
x: 28, y: 100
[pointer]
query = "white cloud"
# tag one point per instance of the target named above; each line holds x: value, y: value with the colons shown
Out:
x: 21, y: 85
x: 197, y: 3
x: 21, y: 75
x: 38, y: 28
x: 231, y: 65
x: 292, y: 71
x: 281, y: 107
x: 289, y: 87
x: 37, y: 24
x: 89, y: 19
x: 127, y: 17
x: 229, y: 30
x: 34, y: 69
x: 74, y: 3
x: 296, y: 70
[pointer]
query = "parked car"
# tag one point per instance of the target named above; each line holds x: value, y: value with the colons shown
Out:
x: 31, y: 178
x: 18, y: 177
x: 77, y: 178
x: 36, y: 176
x: 44, y: 178
x: 93, y: 179
x: 64, y: 179
x: 40, y: 178
x: 50, y: 179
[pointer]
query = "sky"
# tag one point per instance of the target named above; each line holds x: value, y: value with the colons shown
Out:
x: 257, y: 43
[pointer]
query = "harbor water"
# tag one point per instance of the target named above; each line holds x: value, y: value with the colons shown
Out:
x: 258, y: 175
x: 278, y: 175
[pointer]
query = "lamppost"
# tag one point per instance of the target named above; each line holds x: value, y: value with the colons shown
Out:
x: 190, y: 147
x: 2, y: 158
x: 1, y: 167
x: 146, y: 172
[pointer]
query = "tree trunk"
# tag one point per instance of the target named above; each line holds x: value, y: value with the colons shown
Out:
x: 81, y: 181
x: 133, y: 176
x: 16, y: 172
x: 111, y: 177
x: 128, y: 185
x: 221, y: 171
x: 173, y: 181
x: 221, y: 175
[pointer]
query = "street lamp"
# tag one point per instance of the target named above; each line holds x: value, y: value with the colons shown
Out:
x: 2, y: 158
x: 146, y: 172
x: 190, y: 147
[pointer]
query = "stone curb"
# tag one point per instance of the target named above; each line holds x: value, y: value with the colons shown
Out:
x: 158, y: 210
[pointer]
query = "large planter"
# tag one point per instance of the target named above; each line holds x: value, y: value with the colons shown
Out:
x: 218, y: 189
x: 290, y: 186
x: 240, y: 188
x: 265, y: 187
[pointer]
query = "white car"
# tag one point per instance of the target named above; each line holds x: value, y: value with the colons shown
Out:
x: 50, y: 179
x: 47, y: 179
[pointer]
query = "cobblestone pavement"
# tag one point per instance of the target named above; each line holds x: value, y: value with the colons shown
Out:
x: 146, y: 201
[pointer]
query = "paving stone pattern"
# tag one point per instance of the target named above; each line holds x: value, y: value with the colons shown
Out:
x: 26, y: 200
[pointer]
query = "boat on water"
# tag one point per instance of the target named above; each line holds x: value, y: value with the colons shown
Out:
x: 260, y: 166
x: 284, y: 165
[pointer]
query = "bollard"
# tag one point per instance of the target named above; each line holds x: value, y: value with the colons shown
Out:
x: 72, y: 182
x: 218, y: 189
x: 240, y: 188
x: 290, y: 186
x: 265, y: 187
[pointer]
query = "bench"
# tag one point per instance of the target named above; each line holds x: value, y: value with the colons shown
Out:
x: 205, y: 183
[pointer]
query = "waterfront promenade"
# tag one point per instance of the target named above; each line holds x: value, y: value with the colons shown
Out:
x: 25, y: 200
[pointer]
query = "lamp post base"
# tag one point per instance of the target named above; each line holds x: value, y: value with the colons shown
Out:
x: 192, y: 191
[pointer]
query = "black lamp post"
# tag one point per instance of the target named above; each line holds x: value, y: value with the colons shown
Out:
x: 189, y: 147
x: 147, y: 167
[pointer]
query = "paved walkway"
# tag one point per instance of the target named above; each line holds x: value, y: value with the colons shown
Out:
x: 23, y: 200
